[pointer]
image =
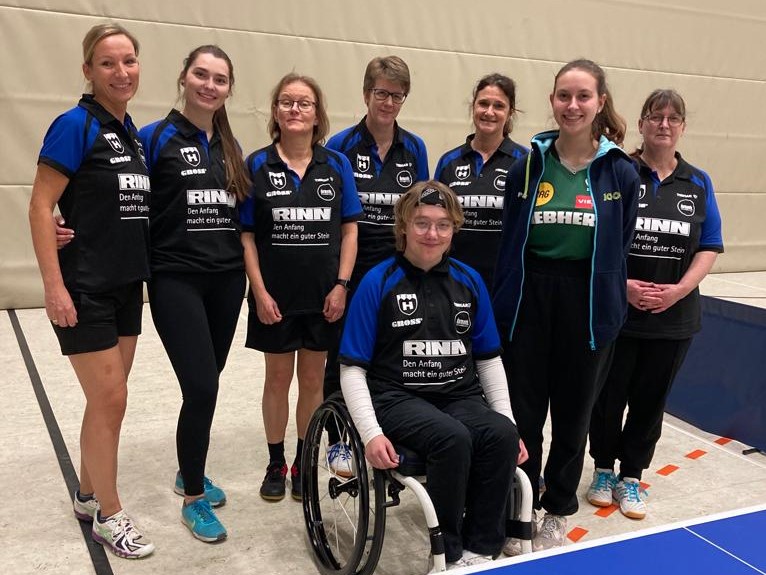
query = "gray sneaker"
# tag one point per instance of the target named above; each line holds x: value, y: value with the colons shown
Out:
x: 551, y: 533
x: 512, y: 546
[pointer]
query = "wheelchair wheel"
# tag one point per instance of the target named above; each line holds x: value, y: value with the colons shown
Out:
x: 344, y: 520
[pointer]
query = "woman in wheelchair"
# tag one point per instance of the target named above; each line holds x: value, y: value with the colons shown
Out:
x: 420, y: 367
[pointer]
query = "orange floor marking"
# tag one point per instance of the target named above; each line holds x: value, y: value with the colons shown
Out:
x: 577, y: 533
x: 607, y: 511
x: 644, y: 485
x: 696, y: 454
x: 722, y: 440
x: 667, y: 470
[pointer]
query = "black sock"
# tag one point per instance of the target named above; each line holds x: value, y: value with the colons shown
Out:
x: 276, y: 452
x: 298, y: 452
x: 83, y: 498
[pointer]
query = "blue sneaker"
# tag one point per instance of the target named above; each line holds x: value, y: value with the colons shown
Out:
x: 200, y: 518
x: 214, y: 494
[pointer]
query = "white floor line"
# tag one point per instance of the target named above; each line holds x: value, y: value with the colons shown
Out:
x: 730, y: 554
x: 715, y: 445
x: 717, y: 277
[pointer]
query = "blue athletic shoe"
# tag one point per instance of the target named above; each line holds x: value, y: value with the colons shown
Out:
x: 214, y: 494
x: 200, y: 518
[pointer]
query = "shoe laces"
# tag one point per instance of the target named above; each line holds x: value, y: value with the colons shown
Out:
x: 202, y: 508
x: 551, y: 527
x: 340, y: 451
x: 632, y: 491
x: 603, y: 480
x: 121, y: 523
x: 207, y: 483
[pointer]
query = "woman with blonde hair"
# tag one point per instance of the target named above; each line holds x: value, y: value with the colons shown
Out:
x: 92, y: 166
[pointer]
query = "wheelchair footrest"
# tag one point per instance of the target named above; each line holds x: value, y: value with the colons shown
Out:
x: 437, y: 540
x: 518, y: 529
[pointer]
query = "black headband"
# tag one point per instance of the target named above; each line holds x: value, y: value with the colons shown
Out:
x: 432, y: 197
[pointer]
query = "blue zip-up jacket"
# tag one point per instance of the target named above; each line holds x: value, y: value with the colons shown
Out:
x: 613, y: 183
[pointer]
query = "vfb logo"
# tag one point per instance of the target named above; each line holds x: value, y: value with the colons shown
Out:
x: 407, y: 302
x: 190, y: 155
x: 278, y: 179
x: 462, y: 172
x: 362, y: 163
x: 115, y: 142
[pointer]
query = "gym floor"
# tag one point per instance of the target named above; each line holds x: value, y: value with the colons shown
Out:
x: 694, y: 473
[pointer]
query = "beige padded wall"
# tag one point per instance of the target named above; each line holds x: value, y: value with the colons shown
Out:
x: 713, y: 53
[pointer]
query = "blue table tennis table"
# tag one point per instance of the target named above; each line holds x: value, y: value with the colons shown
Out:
x: 724, y: 544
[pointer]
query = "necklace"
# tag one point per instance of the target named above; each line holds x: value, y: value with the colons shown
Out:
x: 578, y: 164
x: 574, y: 168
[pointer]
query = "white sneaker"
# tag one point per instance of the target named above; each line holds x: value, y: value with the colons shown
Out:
x: 470, y: 558
x: 630, y: 496
x: 121, y: 536
x: 602, y: 487
x: 84, y: 510
x: 459, y: 564
x: 551, y: 533
x: 340, y: 460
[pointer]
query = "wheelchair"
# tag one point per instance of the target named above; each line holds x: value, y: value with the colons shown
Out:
x: 346, y: 516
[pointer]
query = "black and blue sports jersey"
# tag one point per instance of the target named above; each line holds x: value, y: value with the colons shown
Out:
x: 379, y: 184
x: 677, y: 218
x: 194, y: 220
x: 297, y: 224
x: 420, y: 331
x: 480, y: 187
x: 106, y: 200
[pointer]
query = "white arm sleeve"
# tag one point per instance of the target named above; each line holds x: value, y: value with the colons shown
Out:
x: 495, y: 385
x: 353, y: 382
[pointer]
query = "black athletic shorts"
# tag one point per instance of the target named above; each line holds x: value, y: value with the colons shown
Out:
x: 308, y: 331
x: 102, y: 318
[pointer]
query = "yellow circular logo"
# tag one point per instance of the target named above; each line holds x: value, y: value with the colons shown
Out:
x: 544, y: 193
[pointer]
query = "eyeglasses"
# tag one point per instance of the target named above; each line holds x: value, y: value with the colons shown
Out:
x: 656, y: 120
x: 382, y: 95
x: 443, y: 227
x: 303, y: 105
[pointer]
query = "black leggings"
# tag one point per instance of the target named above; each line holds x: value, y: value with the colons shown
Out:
x: 196, y: 315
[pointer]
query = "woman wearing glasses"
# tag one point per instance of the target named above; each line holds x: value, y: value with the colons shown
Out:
x: 387, y: 160
x: 560, y: 294
x: 299, y: 236
x: 678, y: 237
x: 477, y: 170
x: 421, y: 367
